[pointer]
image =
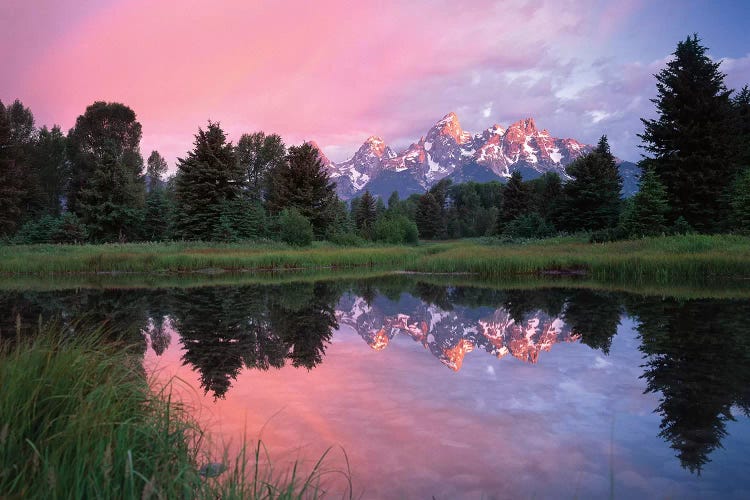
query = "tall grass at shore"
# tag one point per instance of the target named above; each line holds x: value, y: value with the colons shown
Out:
x: 663, y: 260
x: 78, y: 420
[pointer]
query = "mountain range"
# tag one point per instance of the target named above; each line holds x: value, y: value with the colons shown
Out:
x: 450, y: 335
x: 448, y: 151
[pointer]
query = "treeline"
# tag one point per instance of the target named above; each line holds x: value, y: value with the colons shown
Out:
x: 91, y: 184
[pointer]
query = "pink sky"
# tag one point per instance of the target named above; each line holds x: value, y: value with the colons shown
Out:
x: 337, y: 71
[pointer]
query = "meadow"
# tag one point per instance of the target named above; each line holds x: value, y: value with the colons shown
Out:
x: 659, y: 260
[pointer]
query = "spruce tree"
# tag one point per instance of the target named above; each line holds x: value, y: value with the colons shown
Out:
x: 740, y: 202
x: 741, y: 106
x: 647, y: 214
x: 366, y: 215
x: 692, y: 143
x: 428, y: 217
x: 515, y: 200
x: 206, y: 179
x: 302, y: 182
x: 50, y: 162
x: 592, y: 195
x: 107, y: 188
x: 11, y: 190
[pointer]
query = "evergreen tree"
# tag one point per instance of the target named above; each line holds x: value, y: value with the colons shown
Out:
x: 207, y: 178
x: 11, y: 190
x: 107, y: 189
x: 428, y: 217
x: 515, y: 199
x: 258, y: 154
x: 366, y: 215
x: 691, y: 142
x: 741, y: 105
x: 740, y: 202
x: 156, y: 169
x: 592, y: 196
x: 303, y: 183
x: 647, y: 214
x: 394, y: 202
x: 50, y: 163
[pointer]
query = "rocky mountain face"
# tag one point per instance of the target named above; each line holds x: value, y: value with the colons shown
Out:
x: 448, y: 151
x: 450, y: 335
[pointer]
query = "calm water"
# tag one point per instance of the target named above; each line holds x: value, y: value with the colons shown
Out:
x: 452, y: 392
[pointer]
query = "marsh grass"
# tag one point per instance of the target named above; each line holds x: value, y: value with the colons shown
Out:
x: 663, y: 260
x: 78, y: 420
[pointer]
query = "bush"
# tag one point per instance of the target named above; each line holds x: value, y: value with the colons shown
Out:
x: 529, y: 226
x: 66, y: 228
x: 396, y: 230
x: 346, y: 239
x: 295, y: 229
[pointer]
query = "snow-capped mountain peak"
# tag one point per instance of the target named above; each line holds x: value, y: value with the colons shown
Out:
x: 449, y: 151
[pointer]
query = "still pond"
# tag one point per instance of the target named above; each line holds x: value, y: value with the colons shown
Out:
x: 433, y: 390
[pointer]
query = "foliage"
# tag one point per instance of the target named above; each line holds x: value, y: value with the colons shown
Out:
x: 50, y: 164
x: 396, y: 229
x: 529, y: 226
x: 296, y: 229
x: 156, y: 169
x: 11, y: 187
x: 691, y: 143
x: 258, y: 154
x: 740, y: 202
x: 365, y: 216
x: 647, y: 213
x: 515, y: 200
x: 592, y: 196
x: 428, y: 217
x: 107, y: 190
x: 65, y: 228
x: 206, y: 180
x: 302, y: 183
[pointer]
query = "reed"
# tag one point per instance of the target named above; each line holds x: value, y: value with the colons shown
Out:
x: 78, y: 420
x: 662, y: 260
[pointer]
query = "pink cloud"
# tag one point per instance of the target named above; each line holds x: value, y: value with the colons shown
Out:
x: 333, y: 71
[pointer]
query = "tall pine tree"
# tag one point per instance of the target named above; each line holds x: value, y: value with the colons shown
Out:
x: 592, y: 195
x: 11, y: 190
x: 206, y: 180
x: 692, y: 143
x: 302, y: 182
x: 366, y: 215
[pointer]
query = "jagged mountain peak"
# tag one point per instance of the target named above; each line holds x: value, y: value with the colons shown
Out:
x: 376, y: 146
x: 526, y: 126
x: 448, y: 126
x: 449, y: 151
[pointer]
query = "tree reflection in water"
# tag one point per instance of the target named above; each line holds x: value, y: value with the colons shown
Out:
x: 696, y: 352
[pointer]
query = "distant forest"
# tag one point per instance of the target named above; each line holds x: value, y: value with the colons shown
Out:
x: 90, y: 185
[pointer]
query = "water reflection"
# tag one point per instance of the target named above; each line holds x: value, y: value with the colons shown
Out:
x: 695, y: 353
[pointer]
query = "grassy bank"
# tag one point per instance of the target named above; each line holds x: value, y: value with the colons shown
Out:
x: 78, y: 420
x: 664, y: 260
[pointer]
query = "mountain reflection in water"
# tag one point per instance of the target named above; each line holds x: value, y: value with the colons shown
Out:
x: 695, y: 354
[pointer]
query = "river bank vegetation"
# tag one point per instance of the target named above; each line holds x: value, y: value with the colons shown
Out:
x: 87, y: 425
x: 659, y: 260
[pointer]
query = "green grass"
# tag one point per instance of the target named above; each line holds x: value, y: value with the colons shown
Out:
x: 662, y: 260
x: 78, y: 420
